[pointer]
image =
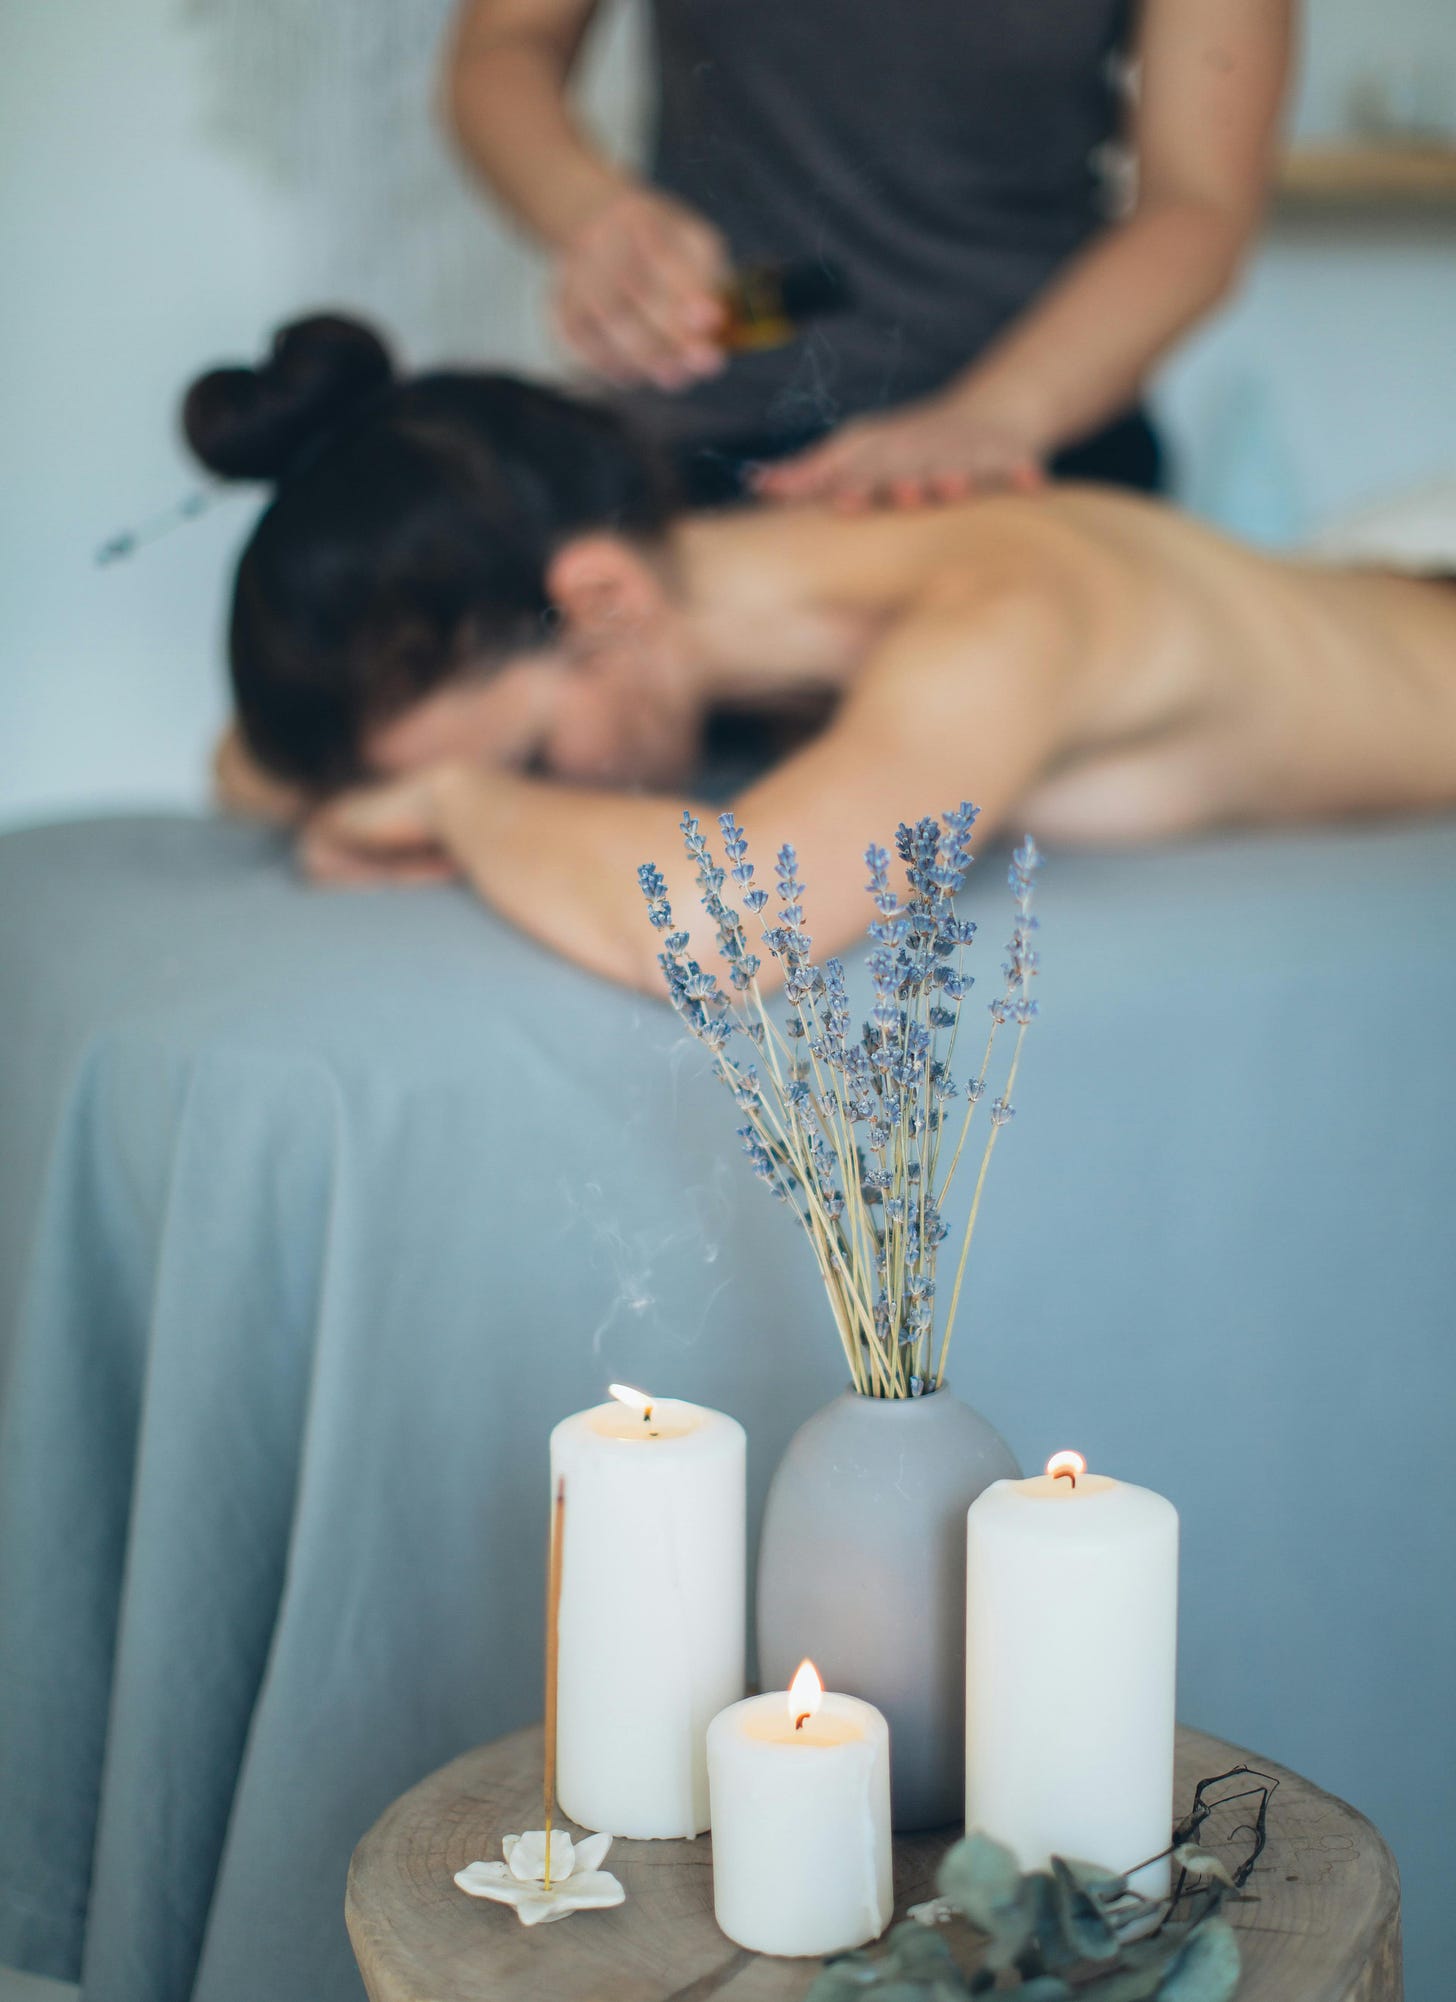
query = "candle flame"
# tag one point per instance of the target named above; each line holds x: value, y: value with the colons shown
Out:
x: 806, y: 1693
x: 636, y: 1400
x: 1066, y: 1467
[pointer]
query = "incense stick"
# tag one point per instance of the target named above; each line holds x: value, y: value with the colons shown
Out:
x: 553, y: 1617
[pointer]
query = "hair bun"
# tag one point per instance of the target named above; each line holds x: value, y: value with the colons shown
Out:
x: 254, y: 423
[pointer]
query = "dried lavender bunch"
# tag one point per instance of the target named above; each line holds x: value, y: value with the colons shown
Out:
x: 859, y: 1135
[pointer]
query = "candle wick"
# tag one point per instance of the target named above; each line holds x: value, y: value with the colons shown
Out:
x: 1065, y: 1474
x: 800, y: 1722
x: 647, y: 1414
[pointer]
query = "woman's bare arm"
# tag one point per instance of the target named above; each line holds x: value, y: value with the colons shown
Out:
x: 960, y: 702
x: 241, y: 786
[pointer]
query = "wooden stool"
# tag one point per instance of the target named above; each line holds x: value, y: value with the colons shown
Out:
x: 1320, y: 1921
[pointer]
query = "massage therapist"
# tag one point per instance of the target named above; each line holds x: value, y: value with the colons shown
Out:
x: 950, y: 157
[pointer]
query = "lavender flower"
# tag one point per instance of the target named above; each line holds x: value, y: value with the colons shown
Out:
x: 846, y: 1126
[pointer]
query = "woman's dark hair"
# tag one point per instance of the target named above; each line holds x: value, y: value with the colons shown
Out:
x: 411, y: 532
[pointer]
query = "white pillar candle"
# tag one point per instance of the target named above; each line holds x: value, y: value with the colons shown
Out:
x: 1071, y: 1654
x: 653, y: 1592
x: 800, y: 1786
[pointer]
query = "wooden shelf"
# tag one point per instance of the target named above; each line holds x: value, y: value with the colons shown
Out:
x: 1365, y: 174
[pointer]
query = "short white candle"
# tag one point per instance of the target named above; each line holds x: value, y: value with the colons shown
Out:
x: 1071, y: 1656
x: 653, y: 1593
x: 800, y: 1785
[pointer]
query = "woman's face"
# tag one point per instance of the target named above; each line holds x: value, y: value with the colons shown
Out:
x: 613, y: 715
x: 612, y: 701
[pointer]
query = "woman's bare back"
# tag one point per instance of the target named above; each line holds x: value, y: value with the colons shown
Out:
x: 1093, y: 667
x: 1227, y: 685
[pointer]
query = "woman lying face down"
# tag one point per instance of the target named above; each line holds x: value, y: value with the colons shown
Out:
x: 426, y: 582
x: 471, y: 636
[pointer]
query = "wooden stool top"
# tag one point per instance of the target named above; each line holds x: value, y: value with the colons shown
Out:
x: 1320, y: 1921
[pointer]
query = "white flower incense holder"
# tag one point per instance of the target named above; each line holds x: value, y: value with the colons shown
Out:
x: 545, y: 1874
x: 575, y: 1882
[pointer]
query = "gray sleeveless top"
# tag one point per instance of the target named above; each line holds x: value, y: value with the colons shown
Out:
x: 940, y: 151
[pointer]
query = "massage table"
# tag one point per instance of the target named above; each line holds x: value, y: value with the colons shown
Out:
x: 317, y: 1210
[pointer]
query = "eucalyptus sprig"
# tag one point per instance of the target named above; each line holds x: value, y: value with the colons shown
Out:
x: 1070, y: 1933
x: 1073, y: 1932
x: 860, y: 1135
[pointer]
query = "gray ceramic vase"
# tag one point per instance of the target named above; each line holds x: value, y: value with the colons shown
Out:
x: 862, y: 1568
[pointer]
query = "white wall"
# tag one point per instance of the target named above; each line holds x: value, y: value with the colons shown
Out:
x: 177, y: 176
x: 1329, y: 381
x: 1395, y: 55
x: 129, y: 249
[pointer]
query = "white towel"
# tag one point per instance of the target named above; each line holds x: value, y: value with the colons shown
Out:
x: 1414, y: 530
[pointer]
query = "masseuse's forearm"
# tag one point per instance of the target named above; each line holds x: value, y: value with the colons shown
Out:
x: 561, y: 862
x: 506, y: 95
x: 1082, y: 354
x: 1204, y: 131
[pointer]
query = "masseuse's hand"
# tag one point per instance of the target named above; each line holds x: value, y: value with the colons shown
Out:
x: 943, y: 449
x: 636, y: 294
x: 374, y: 835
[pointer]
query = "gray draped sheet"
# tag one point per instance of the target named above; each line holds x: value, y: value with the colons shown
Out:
x: 318, y: 1209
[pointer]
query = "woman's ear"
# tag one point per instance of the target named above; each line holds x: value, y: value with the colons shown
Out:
x: 601, y: 585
